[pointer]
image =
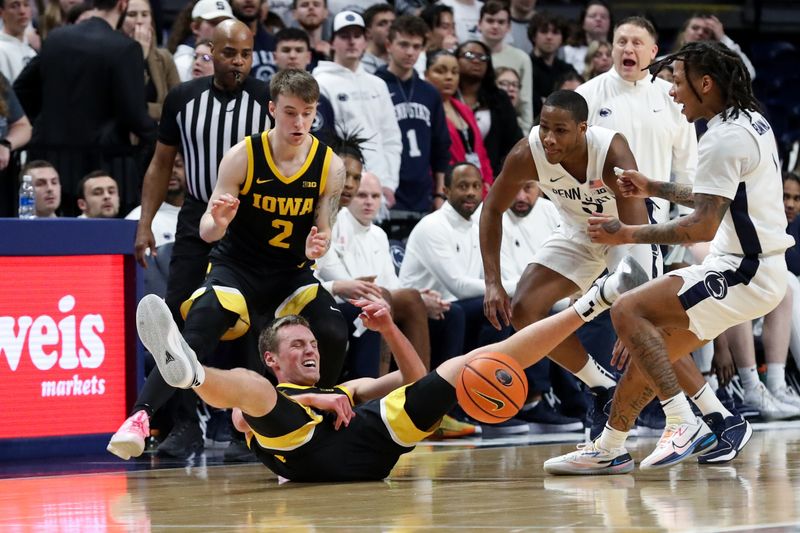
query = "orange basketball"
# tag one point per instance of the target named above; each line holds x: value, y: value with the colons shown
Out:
x: 492, y: 388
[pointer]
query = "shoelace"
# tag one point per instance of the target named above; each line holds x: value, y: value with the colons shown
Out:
x: 138, y: 423
x: 667, y: 435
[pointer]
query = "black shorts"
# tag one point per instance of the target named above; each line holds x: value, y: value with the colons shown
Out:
x: 300, y: 444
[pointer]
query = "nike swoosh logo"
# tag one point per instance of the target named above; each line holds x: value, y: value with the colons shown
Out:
x: 656, y: 110
x: 682, y: 448
x: 553, y: 180
x: 259, y: 181
x: 498, y: 404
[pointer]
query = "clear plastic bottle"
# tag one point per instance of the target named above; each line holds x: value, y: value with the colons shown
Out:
x: 27, y: 198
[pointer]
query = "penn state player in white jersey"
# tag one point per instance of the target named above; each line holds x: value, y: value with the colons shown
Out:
x: 574, y: 165
x: 737, y: 199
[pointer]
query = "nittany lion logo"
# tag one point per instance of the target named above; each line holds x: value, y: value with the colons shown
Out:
x: 604, y: 111
x: 503, y: 377
x: 716, y: 285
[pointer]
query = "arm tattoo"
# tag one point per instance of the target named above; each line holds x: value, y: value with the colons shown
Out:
x: 333, y: 201
x: 709, y: 209
x: 678, y: 193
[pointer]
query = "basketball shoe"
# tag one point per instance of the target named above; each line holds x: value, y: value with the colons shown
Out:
x: 129, y: 439
x: 628, y: 275
x: 588, y: 459
x: 678, y: 442
x: 176, y: 360
x: 732, y: 432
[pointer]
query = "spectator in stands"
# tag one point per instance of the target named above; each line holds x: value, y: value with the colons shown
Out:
x: 293, y: 50
x: 98, y: 195
x: 791, y: 205
x: 420, y: 116
x: 55, y: 15
x: 466, y: 142
x: 494, y: 113
x: 205, y: 15
x: 360, y: 264
x: 411, y: 7
x: 595, y: 25
x: 443, y: 254
x: 15, y: 132
x: 522, y: 11
x: 15, y: 49
x: 507, y: 79
x: 546, y: 33
x: 248, y: 12
x: 495, y: 27
x: 466, y: 14
x: 230, y: 88
x: 377, y: 19
x: 165, y: 221
x: 360, y: 100
x: 598, y: 59
x: 85, y: 109
x: 439, y: 19
x: 707, y: 27
x: 46, y: 186
x: 312, y: 17
x: 160, y: 73
x: 203, y: 64
x: 569, y: 81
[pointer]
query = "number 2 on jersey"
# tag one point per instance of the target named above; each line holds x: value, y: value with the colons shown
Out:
x: 286, y: 227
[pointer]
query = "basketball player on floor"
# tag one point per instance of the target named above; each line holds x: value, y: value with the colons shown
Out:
x: 736, y: 199
x: 302, y: 432
x: 273, y: 208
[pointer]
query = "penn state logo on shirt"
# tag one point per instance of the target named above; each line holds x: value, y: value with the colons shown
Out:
x: 716, y: 285
x: 604, y: 112
x: 319, y: 122
x: 342, y: 97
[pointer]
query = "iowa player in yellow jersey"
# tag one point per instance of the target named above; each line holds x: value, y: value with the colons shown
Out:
x: 272, y: 210
x: 359, y: 429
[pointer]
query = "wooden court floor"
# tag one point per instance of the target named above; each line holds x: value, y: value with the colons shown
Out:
x: 470, y: 487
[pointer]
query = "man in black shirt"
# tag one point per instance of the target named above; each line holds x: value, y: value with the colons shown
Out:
x: 546, y: 32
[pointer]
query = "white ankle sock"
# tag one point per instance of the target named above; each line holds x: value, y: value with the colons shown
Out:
x: 708, y: 403
x: 611, y: 439
x: 749, y: 377
x: 595, y: 375
x: 776, y: 376
x: 678, y: 408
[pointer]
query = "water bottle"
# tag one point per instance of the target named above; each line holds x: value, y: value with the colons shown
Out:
x: 27, y: 199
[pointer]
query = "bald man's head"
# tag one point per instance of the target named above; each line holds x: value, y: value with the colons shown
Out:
x: 367, y: 201
x: 232, y: 50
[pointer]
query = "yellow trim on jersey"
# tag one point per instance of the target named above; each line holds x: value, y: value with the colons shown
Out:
x: 294, y: 439
x: 274, y: 168
x: 297, y: 301
x: 323, y: 180
x: 248, y: 181
x: 397, y: 422
x: 344, y: 389
x: 230, y: 299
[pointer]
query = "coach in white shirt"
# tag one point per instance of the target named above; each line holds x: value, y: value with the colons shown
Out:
x: 624, y: 99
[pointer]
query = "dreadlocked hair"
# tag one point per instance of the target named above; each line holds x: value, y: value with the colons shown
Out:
x: 724, y: 66
x: 349, y: 144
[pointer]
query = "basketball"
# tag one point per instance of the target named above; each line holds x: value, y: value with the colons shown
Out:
x: 491, y: 388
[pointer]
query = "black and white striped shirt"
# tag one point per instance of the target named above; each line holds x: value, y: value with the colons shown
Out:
x: 207, y: 122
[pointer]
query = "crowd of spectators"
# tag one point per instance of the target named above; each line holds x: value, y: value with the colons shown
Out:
x: 423, y: 100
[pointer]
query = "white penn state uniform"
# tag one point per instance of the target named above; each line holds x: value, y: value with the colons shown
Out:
x: 744, y: 276
x: 569, y: 251
x: 660, y: 137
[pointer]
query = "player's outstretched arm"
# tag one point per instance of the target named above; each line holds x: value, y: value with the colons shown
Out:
x: 224, y: 201
x: 376, y: 316
x: 518, y: 169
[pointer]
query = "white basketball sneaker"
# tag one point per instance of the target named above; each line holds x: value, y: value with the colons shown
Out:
x: 678, y: 442
x: 588, y: 459
x: 176, y: 360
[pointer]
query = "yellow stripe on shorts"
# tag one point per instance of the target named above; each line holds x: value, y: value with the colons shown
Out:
x: 230, y: 299
x: 295, y: 302
x: 396, y: 419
